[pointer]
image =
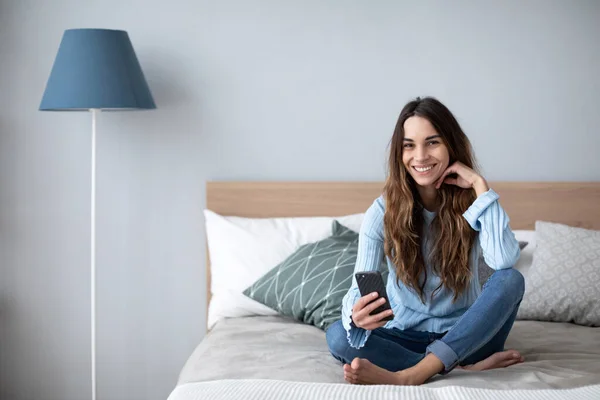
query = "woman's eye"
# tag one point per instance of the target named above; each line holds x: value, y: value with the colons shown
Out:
x: 433, y: 142
x: 407, y: 145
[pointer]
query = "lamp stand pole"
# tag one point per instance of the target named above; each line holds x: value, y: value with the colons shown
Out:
x: 95, y: 112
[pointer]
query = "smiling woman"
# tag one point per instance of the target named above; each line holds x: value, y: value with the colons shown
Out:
x: 436, y: 215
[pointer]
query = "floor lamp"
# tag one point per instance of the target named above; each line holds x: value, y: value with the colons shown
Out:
x: 94, y: 70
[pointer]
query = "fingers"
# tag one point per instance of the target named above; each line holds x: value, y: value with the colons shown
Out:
x: 463, y: 179
x: 363, y: 301
x: 451, y: 181
x: 373, y: 305
x: 371, y: 322
x: 451, y: 169
x: 440, y: 179
x: 361, y: 315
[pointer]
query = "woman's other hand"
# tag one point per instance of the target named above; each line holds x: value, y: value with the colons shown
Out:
x: 465, y: 178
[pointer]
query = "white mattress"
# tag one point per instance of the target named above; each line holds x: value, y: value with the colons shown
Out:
x: 558, y: 356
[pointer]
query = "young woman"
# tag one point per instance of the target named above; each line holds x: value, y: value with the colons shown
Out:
x: 434, y: 219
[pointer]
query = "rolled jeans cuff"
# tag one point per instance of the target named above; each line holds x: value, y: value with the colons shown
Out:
x: 446, y: 355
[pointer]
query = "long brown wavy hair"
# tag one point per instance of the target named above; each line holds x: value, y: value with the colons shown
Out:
x: 451, y: 237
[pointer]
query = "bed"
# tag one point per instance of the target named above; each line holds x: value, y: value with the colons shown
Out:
x: 264, y: 355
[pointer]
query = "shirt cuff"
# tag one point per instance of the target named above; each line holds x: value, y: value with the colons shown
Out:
x: 357, y: 337
x: 480, y: 204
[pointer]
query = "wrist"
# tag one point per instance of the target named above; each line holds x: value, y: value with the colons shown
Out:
x: 480, y: 186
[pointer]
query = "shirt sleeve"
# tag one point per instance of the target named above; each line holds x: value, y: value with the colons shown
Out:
x: 499, y: 246
x: 369, y: 257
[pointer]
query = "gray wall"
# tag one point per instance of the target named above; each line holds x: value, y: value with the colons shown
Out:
x: 264, y: 90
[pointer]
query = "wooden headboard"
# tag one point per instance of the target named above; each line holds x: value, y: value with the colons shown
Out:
x: 571, y: 203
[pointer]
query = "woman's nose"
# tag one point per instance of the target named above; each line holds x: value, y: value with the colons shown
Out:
x: 421, y: 154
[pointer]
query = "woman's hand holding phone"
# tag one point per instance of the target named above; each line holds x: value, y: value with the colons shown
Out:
x: 365, y: 306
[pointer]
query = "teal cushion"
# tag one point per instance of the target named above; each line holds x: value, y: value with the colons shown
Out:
x: 310, y: 284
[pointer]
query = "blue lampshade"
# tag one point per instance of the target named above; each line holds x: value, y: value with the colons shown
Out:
x: 96, y: 68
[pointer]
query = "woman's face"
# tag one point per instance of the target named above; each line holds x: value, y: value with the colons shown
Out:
x: 424, y: 154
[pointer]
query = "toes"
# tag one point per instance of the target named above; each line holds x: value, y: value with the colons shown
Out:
x: 515, y: 358
x: 350, y: 378
x: 511, y: 361
x: 500, y: 359
x: 503, y: 356
x: 349, y: 375
x: 513, y: 354
x: 351, y: 371
x: 360, y: 363
x: 507, y: 363
x: 356, y: 363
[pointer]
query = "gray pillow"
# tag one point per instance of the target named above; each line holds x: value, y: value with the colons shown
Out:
x: 310, y: 284
x: 485, y: 271
x: 562, y: 283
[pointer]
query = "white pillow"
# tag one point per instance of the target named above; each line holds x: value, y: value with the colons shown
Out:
x: 244, y: 249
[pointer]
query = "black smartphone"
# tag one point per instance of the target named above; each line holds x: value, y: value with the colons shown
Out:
x: 372, y: 281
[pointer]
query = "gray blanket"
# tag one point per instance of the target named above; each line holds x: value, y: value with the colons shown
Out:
x: 557, y: 356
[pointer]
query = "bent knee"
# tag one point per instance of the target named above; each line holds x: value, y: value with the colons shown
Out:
x: 337, y: 339
x: 513, y: 280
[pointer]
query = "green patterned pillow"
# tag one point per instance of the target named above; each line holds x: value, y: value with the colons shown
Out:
x: 310, y: 284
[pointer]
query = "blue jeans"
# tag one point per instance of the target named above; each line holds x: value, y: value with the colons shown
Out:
x: 480, y: 332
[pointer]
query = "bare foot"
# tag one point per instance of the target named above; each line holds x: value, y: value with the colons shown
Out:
x: 500, y: 359
x: 363, y: 372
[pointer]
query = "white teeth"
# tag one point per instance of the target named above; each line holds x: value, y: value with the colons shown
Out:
x: 423, y: 169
